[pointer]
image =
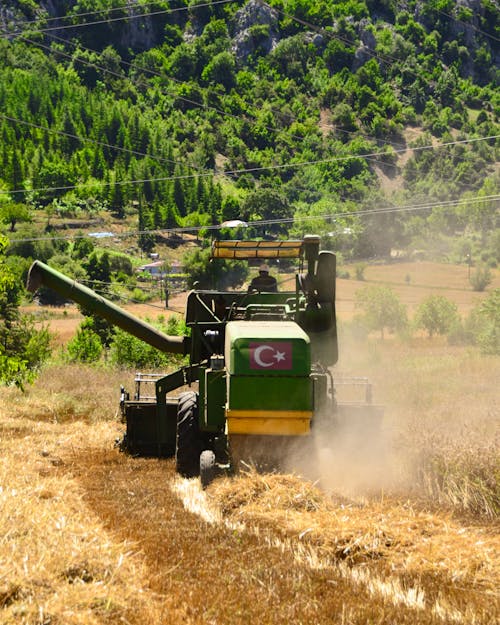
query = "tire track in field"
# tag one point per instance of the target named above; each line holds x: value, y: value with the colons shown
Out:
x: 206, y: 572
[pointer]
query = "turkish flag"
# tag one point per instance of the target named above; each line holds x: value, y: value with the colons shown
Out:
x: 272, y: 355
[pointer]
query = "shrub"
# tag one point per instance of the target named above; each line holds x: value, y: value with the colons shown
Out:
x: 23, y: 347
x: 488, y: 334
x: 128, y: 351
x: 382, y: 309
x: 481, y: 278
x: 359, y: 270
x: 437, y: 315
x: 86, y: 345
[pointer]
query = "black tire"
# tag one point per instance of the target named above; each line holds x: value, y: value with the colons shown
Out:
x: 207, y: 467
x: 326, y: 272
x: 187, y: 449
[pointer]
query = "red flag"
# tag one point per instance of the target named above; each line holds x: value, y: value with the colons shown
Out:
x: 272, y: 355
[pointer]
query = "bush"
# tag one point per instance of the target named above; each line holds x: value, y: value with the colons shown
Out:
x: 437, y: 315
x: 481, y: 278
x: 382, y: 309
x: 360, y: 271
x: 213, y: 273
x: 488, y: 334
x: 23, y: 347
x: 128, y: 351
x: 86, y: 345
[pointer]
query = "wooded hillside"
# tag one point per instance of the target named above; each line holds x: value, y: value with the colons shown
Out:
x: 189, y: 114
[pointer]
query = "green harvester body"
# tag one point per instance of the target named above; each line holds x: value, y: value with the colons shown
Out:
x: 259, y: 363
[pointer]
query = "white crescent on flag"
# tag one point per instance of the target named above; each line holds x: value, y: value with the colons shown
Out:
x: 258, y: 356
x: 272, y: 355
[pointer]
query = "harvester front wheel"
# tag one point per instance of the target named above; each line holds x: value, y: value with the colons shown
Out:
x: 187, y: 450
x: 207, y: 467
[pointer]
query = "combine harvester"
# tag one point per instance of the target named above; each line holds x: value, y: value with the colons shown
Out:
x: 259, y: 369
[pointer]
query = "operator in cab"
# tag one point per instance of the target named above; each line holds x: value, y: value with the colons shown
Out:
x: 263, y: 282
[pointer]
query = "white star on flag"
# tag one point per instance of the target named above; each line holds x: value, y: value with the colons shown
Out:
x: 279, y: 356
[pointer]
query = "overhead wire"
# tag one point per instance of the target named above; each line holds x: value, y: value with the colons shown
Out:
x: 119, y: 19
x: 208, y: 172
x: 130, y: 5
x: 194, y: 103
x: 201, y: 105
x: 469, y: 24
x: 236, y: 172
x: 152, y: 72
x: 267, y: 222
x: 95, y: 141
x: 383, y: 57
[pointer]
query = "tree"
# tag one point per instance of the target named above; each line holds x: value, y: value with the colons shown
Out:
x: 12, y: 213
x: 213, y: 273
x: 489, y: 336
x: 221, y: 69
x: 86, y: 345
x: 82, y: 247
x: 437, y: 315
x: 382, y: 309
x: 480, y: 278
x: 23, y: 347
x: 267, y: 204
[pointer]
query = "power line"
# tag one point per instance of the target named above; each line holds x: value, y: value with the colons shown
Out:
x: 130, y: 5
x: 330, y: 35
x: 267, y: 222
x: 94, y: 141
x: 152, y: 72
x: 194, y: 103
x: 469, y: 24
x: 207, y: 107
x: 367, y: 157
x: 117, y: 19
x: 200, y: 105
x: 237, y: 172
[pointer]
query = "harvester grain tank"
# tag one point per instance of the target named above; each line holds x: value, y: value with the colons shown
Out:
x: 259, y: 363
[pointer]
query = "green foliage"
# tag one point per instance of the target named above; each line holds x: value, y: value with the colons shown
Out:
x: 94, y: 122
x: 488, y: 335
x: 480, y: 278
x: 86, y: 345
x: 12, y: 213
x: 436, y: 315
x: 23, y: 346
x: 128, y: 351
x: 381, y: 309
x: 221, y: 69
x: 215, y: 273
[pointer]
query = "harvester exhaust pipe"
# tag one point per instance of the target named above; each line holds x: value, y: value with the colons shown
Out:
x: 41, y: 274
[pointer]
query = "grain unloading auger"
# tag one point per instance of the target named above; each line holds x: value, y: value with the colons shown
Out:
x: 259, y: 363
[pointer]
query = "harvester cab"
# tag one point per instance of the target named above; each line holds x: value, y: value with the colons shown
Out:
x: 258, y: 374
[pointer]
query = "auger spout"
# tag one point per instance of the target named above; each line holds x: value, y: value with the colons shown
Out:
x: 41, y: 274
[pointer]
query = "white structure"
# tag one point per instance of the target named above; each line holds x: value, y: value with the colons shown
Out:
x: 158, y: 271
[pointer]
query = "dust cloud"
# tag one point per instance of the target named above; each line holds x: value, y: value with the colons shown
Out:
x: 352, y: 458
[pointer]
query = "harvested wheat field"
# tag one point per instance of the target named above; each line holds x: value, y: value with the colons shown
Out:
x: 411, y: 535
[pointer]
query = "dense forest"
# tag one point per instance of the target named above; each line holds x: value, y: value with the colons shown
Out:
x: 375, y: 123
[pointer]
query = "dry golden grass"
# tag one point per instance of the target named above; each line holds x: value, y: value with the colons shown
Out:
x: 57, y: 563
x: 91, y: 536
x: 426, y: 278
x: 441, y: 419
